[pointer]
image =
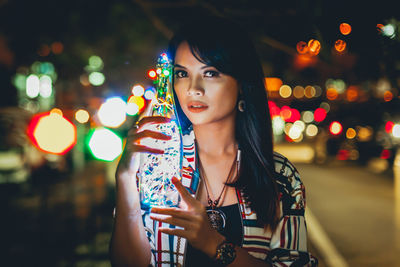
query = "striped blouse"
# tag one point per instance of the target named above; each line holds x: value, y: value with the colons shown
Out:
x: 285, y: 246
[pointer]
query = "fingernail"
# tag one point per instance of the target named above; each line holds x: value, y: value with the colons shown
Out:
x: 174, y: 179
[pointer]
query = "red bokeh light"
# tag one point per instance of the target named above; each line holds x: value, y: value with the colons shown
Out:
x: 345, y: 28
x: 389, y: 126
x: 152, y: 74
x: 295, y: 115
x: 385, y: 154
x: 319, y: 114
x: 335, y: 128
x: 342, y: 154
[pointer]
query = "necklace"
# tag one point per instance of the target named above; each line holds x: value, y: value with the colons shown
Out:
x: 216, y: 216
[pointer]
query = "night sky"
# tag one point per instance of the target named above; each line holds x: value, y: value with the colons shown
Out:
x: 123, y: 34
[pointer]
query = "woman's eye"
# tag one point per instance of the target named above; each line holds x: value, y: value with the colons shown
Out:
x: 180, y: 74
x: 211, y: 73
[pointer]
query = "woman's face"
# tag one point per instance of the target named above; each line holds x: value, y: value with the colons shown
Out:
x: 205, y: 94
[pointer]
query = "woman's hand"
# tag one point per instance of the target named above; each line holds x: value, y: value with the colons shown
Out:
x: 135, y: 134
x: 192, y: 218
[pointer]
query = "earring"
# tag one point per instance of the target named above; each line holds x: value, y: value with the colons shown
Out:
x: 242, y: 106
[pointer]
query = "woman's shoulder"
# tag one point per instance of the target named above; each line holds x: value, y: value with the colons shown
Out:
x: 291, y: 188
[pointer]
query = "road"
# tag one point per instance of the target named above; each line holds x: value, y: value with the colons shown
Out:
x: 357, y: 210
x: 65, y: 220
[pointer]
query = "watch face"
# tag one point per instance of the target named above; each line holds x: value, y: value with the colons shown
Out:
x: 226, y: 253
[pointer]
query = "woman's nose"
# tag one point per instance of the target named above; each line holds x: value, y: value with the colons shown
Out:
x: 195, y: 89
x: 195, y: 92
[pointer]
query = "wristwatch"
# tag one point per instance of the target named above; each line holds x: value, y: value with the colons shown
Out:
x: 225, y: 253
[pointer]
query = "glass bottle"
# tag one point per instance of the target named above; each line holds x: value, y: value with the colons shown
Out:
x: 156, y: 170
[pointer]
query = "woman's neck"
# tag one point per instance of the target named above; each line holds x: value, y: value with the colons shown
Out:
x: 216, y: 139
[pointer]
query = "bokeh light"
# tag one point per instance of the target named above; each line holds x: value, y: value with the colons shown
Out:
x: 387, y: 96
x: 351, y: 133
x: 396, y: 130
x: 285, y: 91
x: 19, y: 81
x: 379, y: 27
x: 57, y: 48
x: 343, y: 154
x: 286, y: 113
x: 45, y: 86
x: 325, y: 106
x: 294, y: 115
x: 138, y: 102
x: 300, y: 124
x: 345, y: 28
x: 311, y: 130
x: 386, y: 154
x: 389, y: 30
x: 82, y: 116
x: 132, y: 109
x: 389, y: 126
x: 274, y: 110
x: 331, y: 93
x: 314, y: 47
x: 104, y: 144
x: 287, y: 128
x: 354, y: 154
x: 302, y: 47
x: 365, y: 134
x: 96, y: 78
x: 307, y: 116
x: 318, y: 90
x: 95, y: 63
x: 56, y: 111
x: 84, y: 80
x: 112, y: 113
x: 298, y: 91
x: 52, y: 133
x: 319, y: 114
x: 273, y: 84
x: 278, y: 125
x: 149, y: 93
x: 44, y: 50
x: 352, y: 94
x: 137, y: 90
x: 32, y: 86
x: 340, y: 45
x: 295, y: 132
x: 335, y: 128
x: 310, y: 91
x: 152, y: 74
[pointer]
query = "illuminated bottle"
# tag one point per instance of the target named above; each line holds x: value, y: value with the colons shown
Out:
x: 156, y: 170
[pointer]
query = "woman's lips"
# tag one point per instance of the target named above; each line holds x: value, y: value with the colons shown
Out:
x: 196, y: 106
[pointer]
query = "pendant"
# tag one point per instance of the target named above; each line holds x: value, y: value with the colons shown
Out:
x: 217, y: 219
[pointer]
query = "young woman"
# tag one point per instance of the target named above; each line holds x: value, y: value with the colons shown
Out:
x: 243, y: 204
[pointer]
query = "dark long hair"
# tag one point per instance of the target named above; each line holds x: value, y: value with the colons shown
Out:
x: 223, y: 44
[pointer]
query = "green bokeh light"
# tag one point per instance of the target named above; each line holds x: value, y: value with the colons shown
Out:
x: 96, y: 78
x: 95, y: 63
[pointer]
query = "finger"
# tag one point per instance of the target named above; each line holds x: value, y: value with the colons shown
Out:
x: 152, y: 134
x: 173, y: 231
x: 153, y: 120
x: 172, y: 220
x: 139, y: 148
x: 177, y: 213
x: 186, y: 196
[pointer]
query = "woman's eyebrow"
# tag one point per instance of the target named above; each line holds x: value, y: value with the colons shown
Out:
x: 183, y: 67
x: 180, y: 66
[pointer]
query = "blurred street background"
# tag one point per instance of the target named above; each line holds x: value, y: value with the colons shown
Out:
x: 74, y: 76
